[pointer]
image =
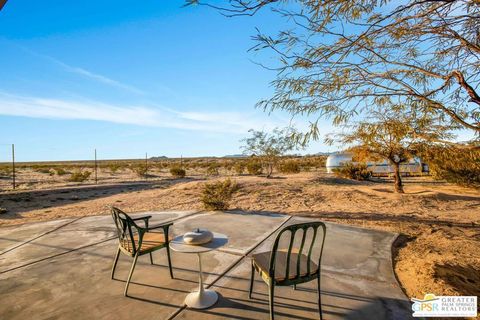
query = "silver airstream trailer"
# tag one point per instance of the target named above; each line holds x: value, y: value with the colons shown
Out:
x: 339, y: 159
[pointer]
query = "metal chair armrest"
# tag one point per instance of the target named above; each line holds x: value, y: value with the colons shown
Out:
x: 145, y: 220
x: 165, y: 228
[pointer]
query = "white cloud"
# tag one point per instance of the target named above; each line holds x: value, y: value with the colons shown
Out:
x: 100, y: 78
x: 88, y: 74
x: 241, y: 121
x: 36, y: 107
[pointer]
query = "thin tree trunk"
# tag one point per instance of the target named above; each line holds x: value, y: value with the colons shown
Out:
x: 269, y: 170
x: 397, y: 177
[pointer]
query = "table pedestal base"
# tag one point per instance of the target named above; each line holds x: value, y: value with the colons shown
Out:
x: 201, y: 299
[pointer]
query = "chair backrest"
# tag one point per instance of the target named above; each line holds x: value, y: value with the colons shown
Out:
x: 126, y: 228
x: 304, y: 248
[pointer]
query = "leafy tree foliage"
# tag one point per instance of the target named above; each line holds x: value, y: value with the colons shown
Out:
x: 395, y: 136
x: 454, y: 163
x: 343, y: 58
x: 269, y: 146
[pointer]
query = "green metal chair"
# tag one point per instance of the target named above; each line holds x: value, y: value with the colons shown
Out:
x: 290, y: 267
x: 136, y: 241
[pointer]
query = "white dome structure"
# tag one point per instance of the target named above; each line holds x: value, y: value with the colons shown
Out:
x: 337, y: 160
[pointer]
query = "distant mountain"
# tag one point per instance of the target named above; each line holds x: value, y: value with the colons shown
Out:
x: 235, y: 156
x: 159, y: 158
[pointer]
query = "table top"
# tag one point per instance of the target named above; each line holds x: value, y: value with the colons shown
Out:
x: 219, y: 240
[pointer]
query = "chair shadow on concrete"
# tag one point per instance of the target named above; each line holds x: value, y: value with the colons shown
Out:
x: 241, y: 304
x: 260, y: 303
x: 372, y: 309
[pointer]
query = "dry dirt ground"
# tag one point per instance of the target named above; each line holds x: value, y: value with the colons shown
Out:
x: 437, y: 252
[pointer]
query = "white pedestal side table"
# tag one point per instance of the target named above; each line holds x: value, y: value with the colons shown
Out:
x: 203, y: 298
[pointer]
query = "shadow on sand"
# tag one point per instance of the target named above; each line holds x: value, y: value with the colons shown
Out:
x: 21, y: 201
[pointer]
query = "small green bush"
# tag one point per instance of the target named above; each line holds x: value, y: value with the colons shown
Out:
x: 114, y: 167
x: 213, y: 169
x: 306, y: 169
x: 178, y: 172
x: 353, y: 171
x: 254, y: 168
x: 140, y: 169
x: 239, y: 167
x: 289, y: 166
x: 455, y: 164
x: 5, y: 170
x: 43, y: 170
x: 60, y: 171
x: 217, y: 195
x: 228, y: 165
x: 319, y: 162
x: 79, y: 176
x: 190, y: 165
x: 162, y: 165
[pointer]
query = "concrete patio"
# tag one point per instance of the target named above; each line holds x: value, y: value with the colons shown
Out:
x: 61, y: 270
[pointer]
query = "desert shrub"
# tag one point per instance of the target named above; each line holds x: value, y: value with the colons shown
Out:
x: 79, y: 176
x: 213, y: 169
x: 254, y: 167
x: 60, y: 171
x: 455, y: 164
x: 309, y: 163
x: 305, y: 168
x: 48, y: 171
x: 239, y: 167
x: 140, y: 169
x: 320, y: 162
x: 114, y: 167
x: 177, y: 172
x: 43, y: 170
x: 5, y: 170
x: 353, y: 171
x: 228, y: 165
x: 289, y: 166
x: 217, y: 195
x: 163, y: 165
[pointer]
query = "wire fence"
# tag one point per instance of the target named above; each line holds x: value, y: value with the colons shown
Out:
x: 96, y: 171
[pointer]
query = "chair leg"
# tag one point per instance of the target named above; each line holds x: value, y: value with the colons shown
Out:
x: 151, y: 258
x: 130, y: 274
x: 115, y: 262
x: 319, y: 299
x: 169, y: 262
x: 294, y: 287
x: 252, y: 278
x: 271, y: 291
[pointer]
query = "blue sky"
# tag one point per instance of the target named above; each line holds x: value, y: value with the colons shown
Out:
x: 128, y: 78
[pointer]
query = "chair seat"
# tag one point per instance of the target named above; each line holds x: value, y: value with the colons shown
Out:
x: 150, y: 241
x: 261, y: 262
